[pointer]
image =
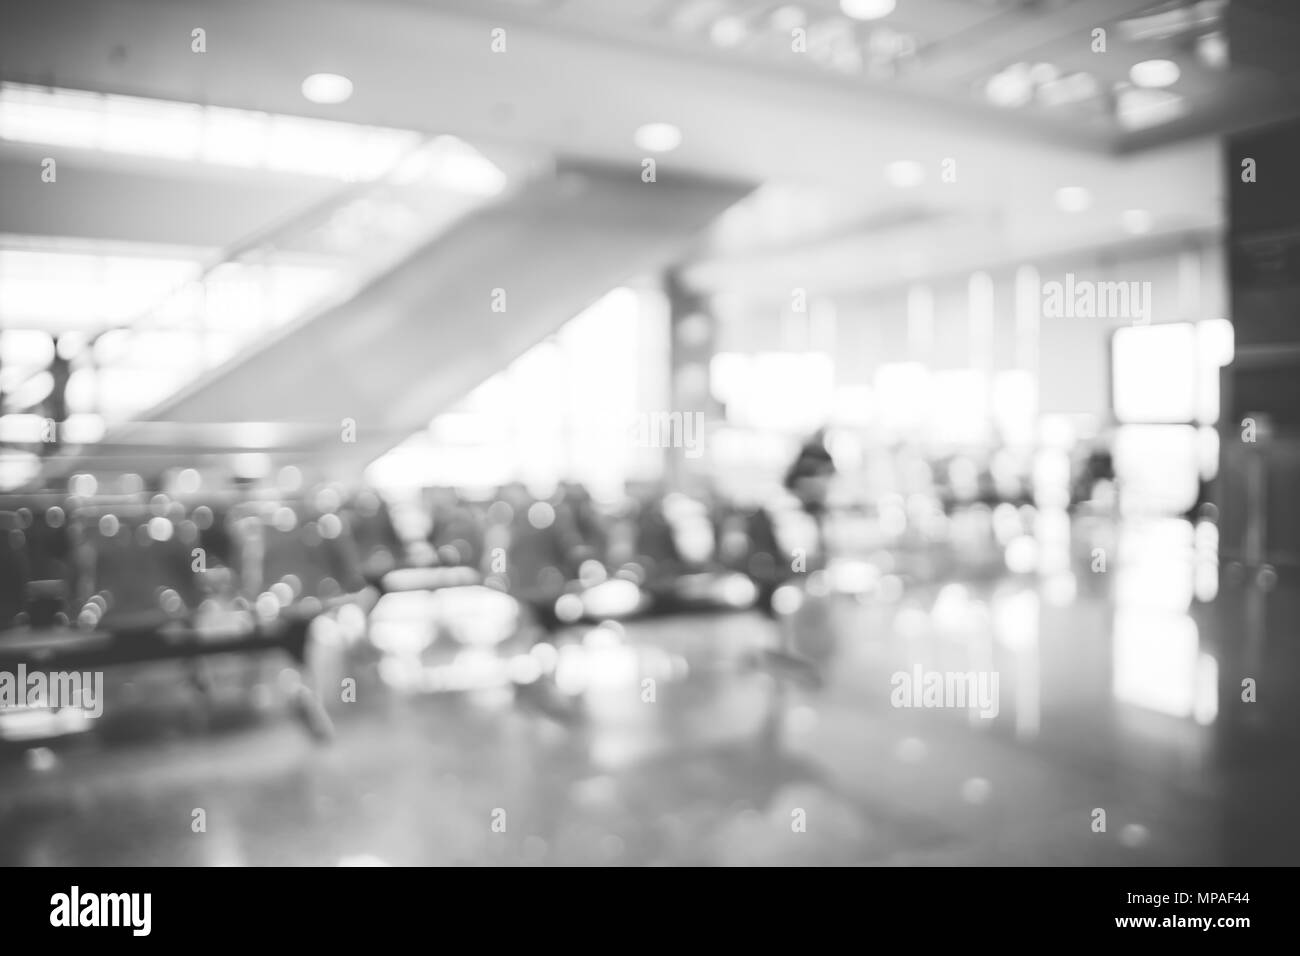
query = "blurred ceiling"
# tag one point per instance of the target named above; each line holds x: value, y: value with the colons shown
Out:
x: 852, y: 134
x: 1038, y: 59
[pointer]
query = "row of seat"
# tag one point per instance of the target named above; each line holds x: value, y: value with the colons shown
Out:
x: 678, y: 551
x: 135, y: 577
x: 92, y: 582
x: 136, y: 565
x: 131, y: 564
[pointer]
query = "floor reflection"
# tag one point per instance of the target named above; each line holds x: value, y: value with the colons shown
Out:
x: 1118, y: 691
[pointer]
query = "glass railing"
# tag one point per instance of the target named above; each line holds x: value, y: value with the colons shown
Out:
x: 297, y: 269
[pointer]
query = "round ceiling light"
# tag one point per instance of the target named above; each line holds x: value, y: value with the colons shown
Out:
x: 1011, y: 87
x: 867, y: 9
x: 729, y: 32
x: 788, y: 18
x: 1154, y: 74
x: 905, y: 173
x: 658, y: 137
x: 327, y: 88
x: 1136, y: 221
x: 1073, y: 199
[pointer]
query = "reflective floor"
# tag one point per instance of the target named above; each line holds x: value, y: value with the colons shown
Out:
x: 686, y: 742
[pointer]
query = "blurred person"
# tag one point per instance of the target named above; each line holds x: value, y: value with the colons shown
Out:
x: 1095, y: 480
x: 56, y: 403
x: 455, y: 530
x: 538, y: 560
x: 809, y: 479
x: 580, y: 524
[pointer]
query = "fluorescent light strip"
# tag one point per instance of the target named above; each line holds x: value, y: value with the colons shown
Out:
x: 192, y: 133
x: 78, y: 288
x: 67, y: 289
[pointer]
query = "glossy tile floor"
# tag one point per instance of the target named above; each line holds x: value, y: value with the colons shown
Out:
x: 1118, y: 691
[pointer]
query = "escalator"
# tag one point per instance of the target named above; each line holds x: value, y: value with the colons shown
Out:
x: 344, y: 382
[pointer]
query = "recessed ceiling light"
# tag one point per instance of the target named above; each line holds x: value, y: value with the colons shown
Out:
x: 788, y: 18
x: 1154, y: 74
x: 1073, y: 199
x: 905, y: 173
x: 867, y: 9
x: 658, y: 137
x: 728, y: 31
x: 1212, y: 48
x: 1136, y: 221
x: 1011, y: 87
x: 327, y: 88
x: 1041, y: 73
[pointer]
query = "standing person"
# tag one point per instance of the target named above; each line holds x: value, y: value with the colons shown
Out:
x: 61, y: 372
x: 56, y: 405
x: 809, y: 479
